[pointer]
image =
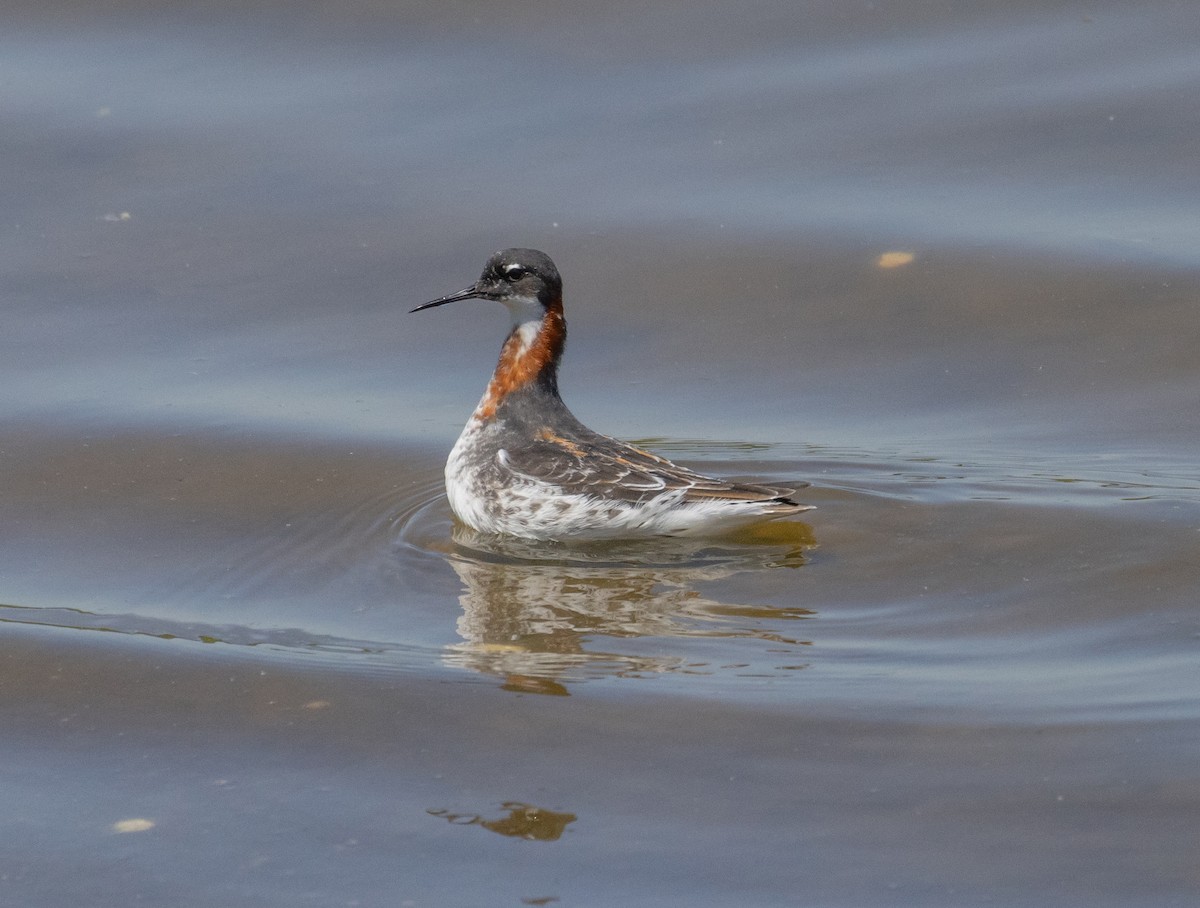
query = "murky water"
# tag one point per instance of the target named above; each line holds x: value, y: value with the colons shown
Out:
x: 248, y: 657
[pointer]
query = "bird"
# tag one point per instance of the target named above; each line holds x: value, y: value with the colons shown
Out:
x: 525, y: 467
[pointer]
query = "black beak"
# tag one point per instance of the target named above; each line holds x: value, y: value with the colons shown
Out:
x: 472, y: 292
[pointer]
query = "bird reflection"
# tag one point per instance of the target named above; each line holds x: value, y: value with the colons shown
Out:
x: 530, y: 612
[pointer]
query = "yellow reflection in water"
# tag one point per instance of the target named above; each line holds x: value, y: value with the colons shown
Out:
x: 523, y: 821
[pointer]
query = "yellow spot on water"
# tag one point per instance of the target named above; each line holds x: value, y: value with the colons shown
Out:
x: 137, y: 824
x: 777, y: 532
x: 894, y: 260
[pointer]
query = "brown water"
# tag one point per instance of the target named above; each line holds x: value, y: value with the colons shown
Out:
x: 248, y: 658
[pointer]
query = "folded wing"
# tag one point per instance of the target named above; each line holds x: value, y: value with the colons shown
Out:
x: 604, y: 468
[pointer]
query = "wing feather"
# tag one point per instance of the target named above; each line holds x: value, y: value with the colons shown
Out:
x: 602, y: 467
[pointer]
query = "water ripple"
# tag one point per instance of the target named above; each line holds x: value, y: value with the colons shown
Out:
x: 534, y: 613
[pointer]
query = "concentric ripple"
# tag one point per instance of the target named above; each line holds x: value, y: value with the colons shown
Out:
x: 535, y: 613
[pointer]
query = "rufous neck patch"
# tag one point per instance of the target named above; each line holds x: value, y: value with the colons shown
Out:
x: 523, y: 359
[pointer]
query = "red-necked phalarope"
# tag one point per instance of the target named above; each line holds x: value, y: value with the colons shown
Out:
x: 525, y: 466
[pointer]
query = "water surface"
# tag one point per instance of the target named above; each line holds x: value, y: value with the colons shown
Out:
x: 250, y: 659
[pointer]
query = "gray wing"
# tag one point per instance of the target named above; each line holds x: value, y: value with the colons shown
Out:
x: 605, y: 468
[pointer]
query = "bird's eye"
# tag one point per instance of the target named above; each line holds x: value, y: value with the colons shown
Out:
x: 513, y: 273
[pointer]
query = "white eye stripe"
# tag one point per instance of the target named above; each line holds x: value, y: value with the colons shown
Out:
x: 514, y: 272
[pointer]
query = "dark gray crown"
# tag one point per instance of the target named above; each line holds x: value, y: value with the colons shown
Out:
x: 521, y: 272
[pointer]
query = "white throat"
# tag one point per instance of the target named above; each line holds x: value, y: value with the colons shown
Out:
x: 527, y: 314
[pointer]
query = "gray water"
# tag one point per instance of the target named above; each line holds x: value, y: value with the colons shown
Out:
x: 249, y: 658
